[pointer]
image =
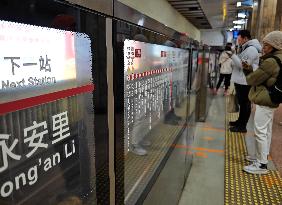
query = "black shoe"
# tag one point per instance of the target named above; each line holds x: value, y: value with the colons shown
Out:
x: 237, y: 129
x: 233, y: 123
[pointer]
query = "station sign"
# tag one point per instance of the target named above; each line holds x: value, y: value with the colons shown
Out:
x: 46, y: 114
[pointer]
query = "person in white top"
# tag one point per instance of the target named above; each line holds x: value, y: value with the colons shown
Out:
x: 225, y: 63
x: 250, y: 49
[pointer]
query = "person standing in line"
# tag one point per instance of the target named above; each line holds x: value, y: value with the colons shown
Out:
x: 250, y: 50
x: 225, y: 63
x: 265, y: 76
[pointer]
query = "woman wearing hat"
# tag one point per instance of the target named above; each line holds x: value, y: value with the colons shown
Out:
x: 264, y: 76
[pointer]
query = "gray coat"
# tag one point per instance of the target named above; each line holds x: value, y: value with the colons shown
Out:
x: 250, y: 53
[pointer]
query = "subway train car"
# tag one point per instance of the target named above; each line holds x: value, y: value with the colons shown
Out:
x: 95, y: 98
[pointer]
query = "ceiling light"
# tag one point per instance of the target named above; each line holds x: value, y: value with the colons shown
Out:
x: 239, y: 3
x: 141, y: 22
x: 224, y: 11
x: 237, y: 26
x: 242, y: 15
x: 241, y: 21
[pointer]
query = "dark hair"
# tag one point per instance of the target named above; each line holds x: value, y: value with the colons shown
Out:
x: 229, y: 44
x: 227, y: 48
x: 245, y: 33
x: 274, y: 50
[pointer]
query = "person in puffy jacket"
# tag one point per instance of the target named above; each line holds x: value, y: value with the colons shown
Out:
x: 249, y: 51
x: 225, y: 69
x: 264, y: 76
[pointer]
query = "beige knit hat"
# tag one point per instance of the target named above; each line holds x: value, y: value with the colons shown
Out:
x: 274, y: 39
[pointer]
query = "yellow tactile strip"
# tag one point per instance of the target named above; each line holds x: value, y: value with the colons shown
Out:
x: 241, y: 187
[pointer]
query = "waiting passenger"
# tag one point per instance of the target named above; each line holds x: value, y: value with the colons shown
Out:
x: 225, y: 63
x: 250, y: 50
x: 260, y: 79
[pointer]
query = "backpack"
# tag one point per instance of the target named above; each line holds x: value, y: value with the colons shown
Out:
x: 275, y: 91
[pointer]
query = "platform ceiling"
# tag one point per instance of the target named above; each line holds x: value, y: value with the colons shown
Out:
x: 208, y: 14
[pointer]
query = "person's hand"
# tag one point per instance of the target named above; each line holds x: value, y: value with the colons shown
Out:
x: 246, y: 66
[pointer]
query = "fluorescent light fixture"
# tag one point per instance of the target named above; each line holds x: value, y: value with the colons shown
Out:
x: 224, y: 10
x: 241, y: 21
x: 242, y: 15
x: 237, y: 26
x: 141, y: 22
x: 239, y: 3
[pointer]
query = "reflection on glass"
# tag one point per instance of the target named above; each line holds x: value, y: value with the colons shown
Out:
x: 194, y: 69
x: 155, y: 82
x: 196, y: 81
x: 212, y: 71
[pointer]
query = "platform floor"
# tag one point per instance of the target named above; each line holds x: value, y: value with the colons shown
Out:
x: 205, y: 183
x: 276, y: 145
x: 216, y: 176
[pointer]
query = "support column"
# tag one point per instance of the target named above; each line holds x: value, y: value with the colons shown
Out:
x: 278, y: 18
x: 265, y: 20
x: 253, y: 25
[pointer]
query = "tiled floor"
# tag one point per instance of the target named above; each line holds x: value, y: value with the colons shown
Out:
x: 205, y: 184
x: 242, y: 188
x: 213, y: 181
x: 276, y: 144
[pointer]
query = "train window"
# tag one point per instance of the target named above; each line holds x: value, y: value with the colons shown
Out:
x: 47, y: 129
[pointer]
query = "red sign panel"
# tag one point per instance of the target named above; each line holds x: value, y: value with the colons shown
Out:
x: 138, y: 53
